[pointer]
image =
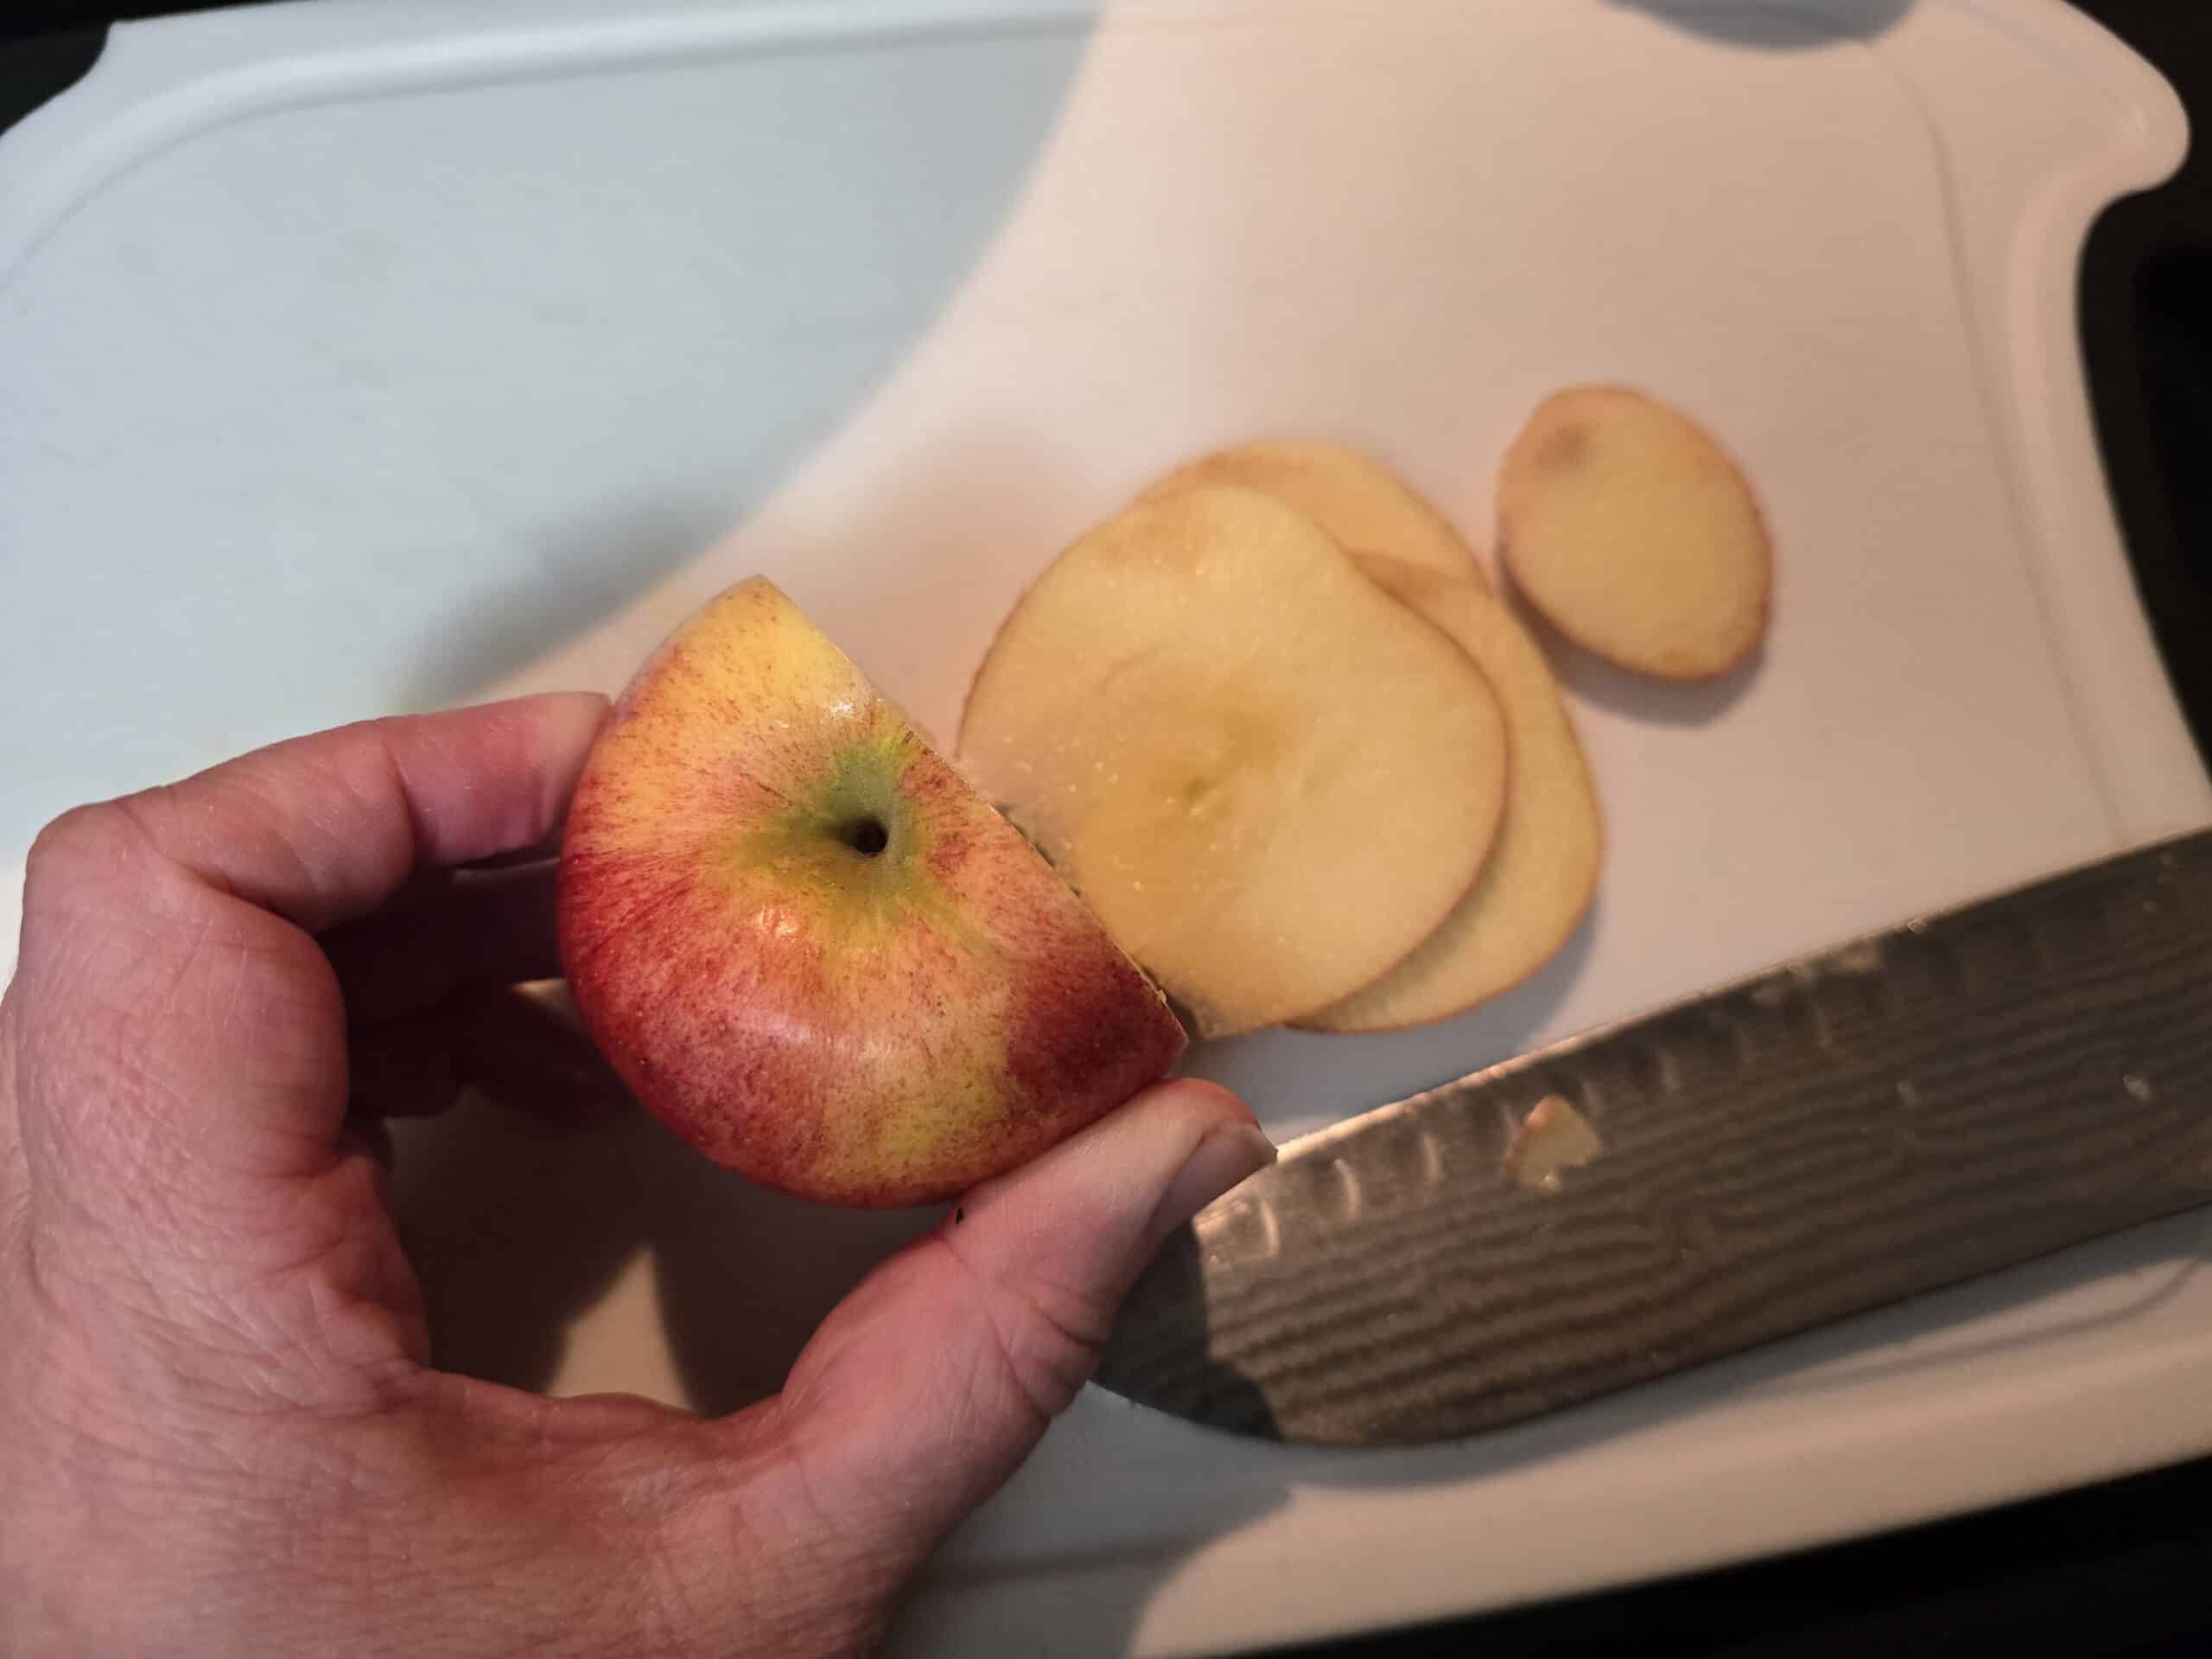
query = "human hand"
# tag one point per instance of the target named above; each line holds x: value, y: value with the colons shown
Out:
x: 220, y: 1431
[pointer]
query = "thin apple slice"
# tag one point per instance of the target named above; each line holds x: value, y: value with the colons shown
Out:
x: 1537, y: 884
x: 1633, y: 533
x: 1364, y: 506
x: 811, y: 950
x: 1270, y: 778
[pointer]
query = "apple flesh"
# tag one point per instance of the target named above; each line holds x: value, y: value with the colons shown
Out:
x: 1270, y: 778
x: 1363, y: 507
x: 811, y: 950
x: 1634, y: 534
x: 1538, y: 881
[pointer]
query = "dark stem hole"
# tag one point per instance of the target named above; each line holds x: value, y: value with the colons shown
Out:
x: 866, y: 836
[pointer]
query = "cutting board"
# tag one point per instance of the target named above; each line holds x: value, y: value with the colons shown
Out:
x: 383, y: 355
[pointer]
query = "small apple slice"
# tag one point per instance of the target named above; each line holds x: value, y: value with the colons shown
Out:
x: 811, y: 950
x: 1364, y: 506
x: 1537, y: 884
x: 1270, y: 778
x: 1634, y: 534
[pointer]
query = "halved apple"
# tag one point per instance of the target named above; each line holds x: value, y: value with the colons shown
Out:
x: 1363, y: 507
x: 811, y: 950
x: 1634, y: 534
x: 1540, y: 876
x: 1270, y: 778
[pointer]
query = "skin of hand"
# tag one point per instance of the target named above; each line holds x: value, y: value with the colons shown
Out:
x: 220, y: 1429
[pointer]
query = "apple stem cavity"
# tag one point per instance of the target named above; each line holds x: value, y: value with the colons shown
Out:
x: 866, y: 836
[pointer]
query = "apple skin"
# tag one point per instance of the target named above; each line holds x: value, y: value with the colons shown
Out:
x: 811, y: 950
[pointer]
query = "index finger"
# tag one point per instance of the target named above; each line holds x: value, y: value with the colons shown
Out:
x: 174, y: 1039
x: 322, y: 829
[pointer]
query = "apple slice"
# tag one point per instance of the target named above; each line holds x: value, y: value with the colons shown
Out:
x: 1537, y: 884
x: 811, y: 950
x: 1364, y: 506
x: 1270, y: 778
x: 1634, y: 534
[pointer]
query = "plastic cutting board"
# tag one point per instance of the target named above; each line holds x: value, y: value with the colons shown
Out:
x: 376, y: 355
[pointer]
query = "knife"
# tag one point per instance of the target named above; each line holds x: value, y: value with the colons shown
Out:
x: 1960, y: 1093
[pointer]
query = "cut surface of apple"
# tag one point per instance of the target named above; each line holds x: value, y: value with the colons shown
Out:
x: 1270, y: 778
x: 1363, y: 507
x: 1635, y: 535
x: 811, y: 950
x: 1537, y: 883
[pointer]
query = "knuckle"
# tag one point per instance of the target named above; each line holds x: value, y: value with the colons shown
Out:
x: 91, y: 843
x: 1050, y: 1339
x: 1047, y: 1334
x: 83, y: 835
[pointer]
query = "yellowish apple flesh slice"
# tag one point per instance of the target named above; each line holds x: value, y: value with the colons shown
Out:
x: 1270, y: 780
x: 1537, y: 883
x: 1363, y: 507
x: 1635, y: 535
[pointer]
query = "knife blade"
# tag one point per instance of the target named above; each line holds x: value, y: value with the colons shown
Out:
x: 1960, y: 1093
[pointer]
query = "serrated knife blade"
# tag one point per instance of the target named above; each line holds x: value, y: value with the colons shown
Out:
x: 1962, y: 1093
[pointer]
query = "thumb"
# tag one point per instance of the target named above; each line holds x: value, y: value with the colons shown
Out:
x: 934, y: 1379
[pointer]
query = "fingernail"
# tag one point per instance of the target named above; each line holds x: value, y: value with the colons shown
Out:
x: 1225, y: 1157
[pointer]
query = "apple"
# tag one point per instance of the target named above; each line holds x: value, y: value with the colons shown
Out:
x: 1635, y: 535
x: 811, y: 950
x: 1552, y: 1139
x: 1363, y: 507
x: 1540, y: 876
x: 1270, y: 778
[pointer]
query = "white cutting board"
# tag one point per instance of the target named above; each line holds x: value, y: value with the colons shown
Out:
x: 360, y: 356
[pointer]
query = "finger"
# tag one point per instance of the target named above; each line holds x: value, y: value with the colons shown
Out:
x: 928, y: 1385
x: 180, y: 1055
x: 160, y: 967
x: 457, y: 930
x: 322, y: 829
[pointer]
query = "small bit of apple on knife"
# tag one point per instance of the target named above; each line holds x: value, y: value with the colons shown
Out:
x: 1363, y: 507
x: 1551, y: 1141
x: 1633, y: 532
x: 1270, y: 778
x: 811, y: 950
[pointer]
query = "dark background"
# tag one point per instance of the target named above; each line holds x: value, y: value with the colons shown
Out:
x: 2124, y: 1568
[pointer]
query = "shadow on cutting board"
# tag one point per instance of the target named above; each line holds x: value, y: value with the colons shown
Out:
x: 1744, y: 22
x: 583, y: 573
x: 520, y: 1228
x: 791, y: 349
x: 1642, y: 696
x: 1646, y: 697
x: 523, y: 1233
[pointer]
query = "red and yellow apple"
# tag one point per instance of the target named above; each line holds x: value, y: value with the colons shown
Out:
x: 811, y: 950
